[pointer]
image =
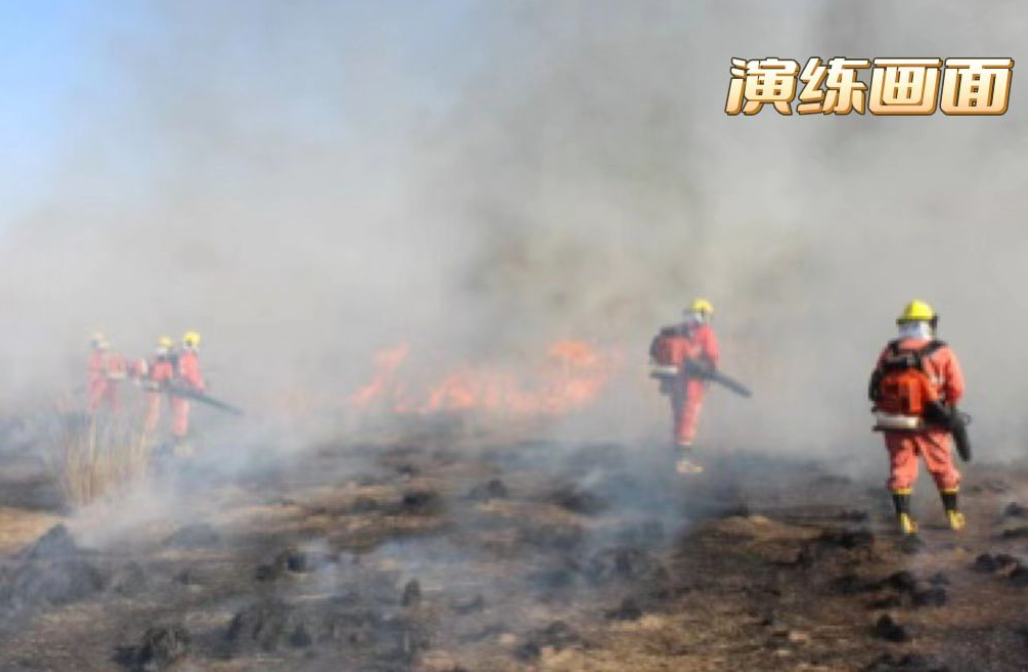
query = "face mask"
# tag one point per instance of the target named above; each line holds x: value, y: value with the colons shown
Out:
x: 915, y: 331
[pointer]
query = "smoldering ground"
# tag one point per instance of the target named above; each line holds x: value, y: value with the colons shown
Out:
x: 575, y: 557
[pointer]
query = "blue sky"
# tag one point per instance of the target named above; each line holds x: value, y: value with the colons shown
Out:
x: 29, y: 76
x: 42, y: 61
x: 57, y: 63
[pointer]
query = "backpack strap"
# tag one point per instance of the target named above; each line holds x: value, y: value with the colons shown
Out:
x: 914, y: 358
x: 920, y: 353
x: 926, y: 351
x: 899, y: 360
x: 931, y: 348
x: 874, y: 385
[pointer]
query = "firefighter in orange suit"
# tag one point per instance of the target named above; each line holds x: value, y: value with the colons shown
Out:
x: 915, y: 382
x: 681, y: 356
x: 187, y: 376
x: 106, y: 369
x: 159, y: 372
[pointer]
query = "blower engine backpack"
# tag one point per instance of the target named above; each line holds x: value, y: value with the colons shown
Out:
x: 904, y: 399
x: 901, y: 390
x: 669, y: 351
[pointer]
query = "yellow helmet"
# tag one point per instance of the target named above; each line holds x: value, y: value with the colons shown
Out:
x: 191, y: 339
x: 917, y: 311
x: 165, y: 342
x: 701, y: 307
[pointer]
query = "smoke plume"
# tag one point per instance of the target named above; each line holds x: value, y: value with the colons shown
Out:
x: 305, y: 184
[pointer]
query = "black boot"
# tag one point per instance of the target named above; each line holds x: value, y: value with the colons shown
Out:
x: 951, y: 503
x: 901, y: 503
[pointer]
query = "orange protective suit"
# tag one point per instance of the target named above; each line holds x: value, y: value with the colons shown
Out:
x: 188, y: 376
x: 105, y: 370
x: 934, y: 445
x: 674, y: 347
x: 160, y: 372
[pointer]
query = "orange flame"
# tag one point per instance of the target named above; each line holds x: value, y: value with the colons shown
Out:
x: 382, y: 384
x: 572, y: 376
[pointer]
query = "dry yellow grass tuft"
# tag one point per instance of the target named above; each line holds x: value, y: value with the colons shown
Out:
x: 93, y: 456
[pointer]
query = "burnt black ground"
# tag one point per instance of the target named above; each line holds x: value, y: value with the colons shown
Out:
x: 421, y: 556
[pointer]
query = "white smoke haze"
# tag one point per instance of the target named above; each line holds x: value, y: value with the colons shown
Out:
x: 307, y: 183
